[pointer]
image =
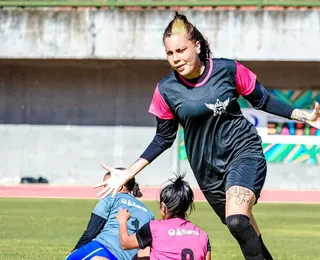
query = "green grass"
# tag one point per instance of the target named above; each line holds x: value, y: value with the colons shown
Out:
x: 32, y: 229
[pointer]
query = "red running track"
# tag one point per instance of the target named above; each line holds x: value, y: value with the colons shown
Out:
x: 149, y: 193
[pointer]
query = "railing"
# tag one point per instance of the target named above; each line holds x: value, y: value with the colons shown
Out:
x: 155, y: 3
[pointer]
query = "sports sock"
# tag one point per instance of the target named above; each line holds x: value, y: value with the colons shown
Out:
x: 240, y: 227
x: 266, y: 252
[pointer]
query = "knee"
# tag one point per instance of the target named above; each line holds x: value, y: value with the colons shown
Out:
x: 237, y: 224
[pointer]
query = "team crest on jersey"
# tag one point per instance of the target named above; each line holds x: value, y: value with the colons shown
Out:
x: 218, y: 108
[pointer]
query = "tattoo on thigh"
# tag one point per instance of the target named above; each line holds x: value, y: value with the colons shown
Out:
x: 242, y: 195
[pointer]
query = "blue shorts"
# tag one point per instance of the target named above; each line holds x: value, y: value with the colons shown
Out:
x: 90, y: 250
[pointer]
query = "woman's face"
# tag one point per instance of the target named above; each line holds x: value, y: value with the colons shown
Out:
x: 183, y: 55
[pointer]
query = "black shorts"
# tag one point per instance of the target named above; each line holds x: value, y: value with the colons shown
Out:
x: 249, y: 172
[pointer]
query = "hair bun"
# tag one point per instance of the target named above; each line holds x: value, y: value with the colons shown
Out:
x: 179, y: 181
x: 180, y: 16
x: 136, y: 191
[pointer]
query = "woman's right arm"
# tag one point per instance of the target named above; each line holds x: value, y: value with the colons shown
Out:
x: 164, y: 138
x: 167, y: 127
x: 96, y: 223
x: 94, y: 227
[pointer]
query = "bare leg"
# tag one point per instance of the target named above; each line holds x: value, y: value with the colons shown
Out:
x: 253, y: 222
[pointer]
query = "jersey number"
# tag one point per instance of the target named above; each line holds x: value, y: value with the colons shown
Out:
x: 187, y: 252
x: 136, y: 224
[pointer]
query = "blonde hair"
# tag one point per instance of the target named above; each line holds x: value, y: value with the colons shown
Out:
x: 178, y: 27
x: 180, y: 24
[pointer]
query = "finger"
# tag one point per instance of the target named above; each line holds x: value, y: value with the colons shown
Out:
x: 105, y: 192
x: 99, y: 185
x: 114, y: 193
x: 109, y: 169
x: 101, y: 192
x: 317, y: 107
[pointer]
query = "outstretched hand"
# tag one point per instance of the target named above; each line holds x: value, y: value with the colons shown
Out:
x: 112, y: 184
x: 314, y: 118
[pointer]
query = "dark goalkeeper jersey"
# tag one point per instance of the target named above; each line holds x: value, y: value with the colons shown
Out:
x: 216, y: 133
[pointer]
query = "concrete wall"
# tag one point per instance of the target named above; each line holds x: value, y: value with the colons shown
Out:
x: 109, y: 93
x: 121, y: 34
x: 73, y: 155
x: 62, y: 118
x: 78, y: 92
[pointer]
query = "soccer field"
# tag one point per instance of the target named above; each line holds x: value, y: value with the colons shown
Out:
x: 44, y: 229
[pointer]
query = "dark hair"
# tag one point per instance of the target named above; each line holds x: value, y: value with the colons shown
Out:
x: 132, y: 186
x: 178, y: 197
x: 192, y: 32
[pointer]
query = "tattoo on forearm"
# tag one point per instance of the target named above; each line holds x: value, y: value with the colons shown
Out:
x: 299, y: 115
x: 132, y: 169
x: 242, y: 195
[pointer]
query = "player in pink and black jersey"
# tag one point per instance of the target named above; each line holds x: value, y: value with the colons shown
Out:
x: 223, y: 148
x: 173, y: 237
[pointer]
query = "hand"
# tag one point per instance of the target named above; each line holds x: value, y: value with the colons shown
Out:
x: 123, y: 215
x: 112, y: 184
x: 314, y: 116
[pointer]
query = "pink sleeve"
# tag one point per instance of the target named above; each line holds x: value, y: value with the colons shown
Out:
x: 159, y: 107
x: 245, y: 80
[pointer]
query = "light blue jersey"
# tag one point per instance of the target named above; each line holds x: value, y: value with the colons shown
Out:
x: 108, y: 209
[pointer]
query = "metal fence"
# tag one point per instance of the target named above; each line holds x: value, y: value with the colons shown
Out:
x: 156, y: 3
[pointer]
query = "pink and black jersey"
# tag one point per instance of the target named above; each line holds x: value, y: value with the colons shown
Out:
x: 222, y: 146
x: 217, y: 136
x: 216, y: 132
x: 174, y: 239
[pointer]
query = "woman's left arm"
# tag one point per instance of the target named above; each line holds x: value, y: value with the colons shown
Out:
x: 141, y: 239
x: 127, y: 241
x: 259, y: 98
x: 253, y: 91
x: 312, y: 118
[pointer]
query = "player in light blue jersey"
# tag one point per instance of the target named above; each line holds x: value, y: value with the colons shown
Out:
x: 101, y: 238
